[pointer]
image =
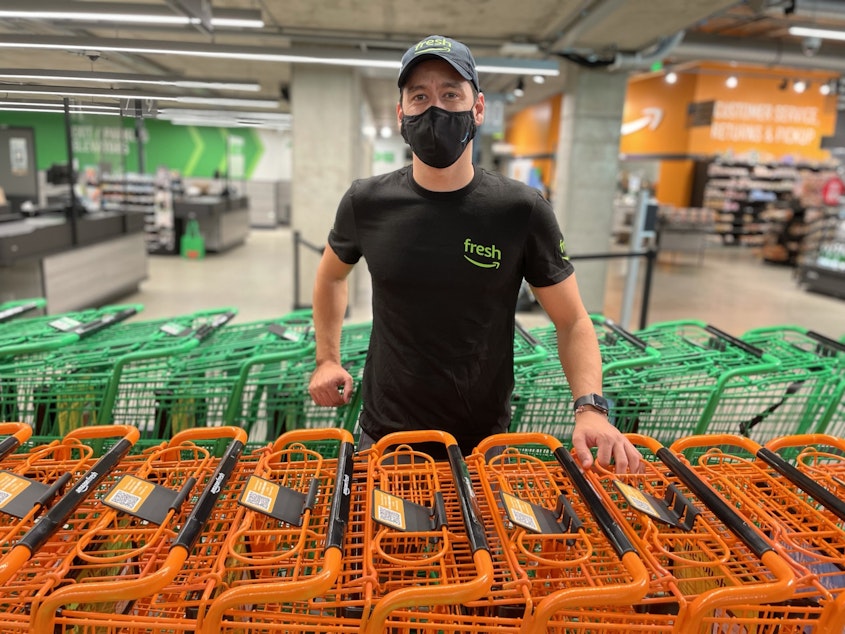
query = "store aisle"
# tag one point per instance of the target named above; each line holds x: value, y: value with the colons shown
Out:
x: 729, y: 288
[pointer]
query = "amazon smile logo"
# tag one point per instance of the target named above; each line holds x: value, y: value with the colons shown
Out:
x: 650, y: 119
x: 481, y: 255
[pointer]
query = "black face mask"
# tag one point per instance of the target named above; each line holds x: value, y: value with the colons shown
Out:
x: 438, y: 137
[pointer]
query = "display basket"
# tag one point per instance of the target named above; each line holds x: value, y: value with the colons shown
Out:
x: 555, y: 543
x: 30, y: 549
x: 76, y: 385
x: 282, y: 560
x: 706, y: 378
x: 41, y: 334
x: 704, y: 558
x: 148, y: 525
x: 16, y: 308
x: 811, y: 379
x: 542, y: 399
x: 784, y: 504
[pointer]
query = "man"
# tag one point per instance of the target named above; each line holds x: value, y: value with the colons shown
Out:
x: 448, y: 245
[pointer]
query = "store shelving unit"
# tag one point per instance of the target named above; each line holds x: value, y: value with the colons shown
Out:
x: 821, y: 265
x: 743, y: 194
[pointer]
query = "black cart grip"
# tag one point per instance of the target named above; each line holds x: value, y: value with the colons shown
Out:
x: 827, y: 342
x: 54, y: 489
x: 16, y: 310
x: 738, y: 526
x: 627, y: 336
x: 739, y: 343
x: 617, y: 538
x: 8, y: 445
x: 527, y: 336
x: 822, y: 495
x: 190, y: 532
x: 339, y: 512
x: 62, y: 510
x: 96, y: 325
x: 203, y: 332
x: 466, y: 496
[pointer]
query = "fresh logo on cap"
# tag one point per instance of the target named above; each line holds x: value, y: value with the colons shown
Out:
x: 433, y: 46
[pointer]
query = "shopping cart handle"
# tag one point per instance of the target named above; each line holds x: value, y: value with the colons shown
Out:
x: 629, y: 337
x: 16, y: 434
x: 466, y: 496
x: 68, y: 503
x: 803, y: 481
x: 96, y: 325
x: 339, y: 513
x: 827, y: 342
x: 739, y: 343
x: 205, y: 330
x: 617, y: 538
x: 738, y: 526
x: 195, y: 522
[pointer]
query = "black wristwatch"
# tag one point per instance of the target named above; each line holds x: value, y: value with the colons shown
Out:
x: 594, y: 400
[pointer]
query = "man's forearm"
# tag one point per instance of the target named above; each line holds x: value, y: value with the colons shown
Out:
x: 580, y: 357
x: 330, y: 299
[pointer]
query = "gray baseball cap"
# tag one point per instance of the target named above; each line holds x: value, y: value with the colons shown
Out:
x: 445, y: 48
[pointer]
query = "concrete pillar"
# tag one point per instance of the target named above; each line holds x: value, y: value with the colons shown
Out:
x: 329, y: 152
x: 586, y: 171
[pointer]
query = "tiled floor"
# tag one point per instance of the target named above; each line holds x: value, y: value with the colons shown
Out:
x: 729, y: 288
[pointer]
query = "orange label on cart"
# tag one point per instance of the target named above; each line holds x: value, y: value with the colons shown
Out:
x: 129, y: 493
x: 637, y: 499
x: 260, y: 494
x: 11, y: 486
x: 388, y: 509
x: 520, y: 512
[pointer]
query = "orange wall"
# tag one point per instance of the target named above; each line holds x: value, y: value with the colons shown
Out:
x: 533, y: 131
x: 755, y: 117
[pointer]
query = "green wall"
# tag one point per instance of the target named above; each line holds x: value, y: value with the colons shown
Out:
x: 193, y: 151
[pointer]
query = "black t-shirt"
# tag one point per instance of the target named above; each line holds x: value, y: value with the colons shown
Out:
x: 446, y: 270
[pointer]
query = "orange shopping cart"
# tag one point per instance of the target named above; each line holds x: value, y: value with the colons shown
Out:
x: 148, y: 524
x: 26, y: 537
x: 425, y: 551
x: 792, y: 523
x: 705, y: 559
x: 281, y: 561
x: 555, y: 544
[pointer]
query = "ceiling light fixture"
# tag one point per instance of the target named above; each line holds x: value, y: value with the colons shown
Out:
x: 133, y: 14
x: 332, y: 57
x: 826, y: 34
x: 126, y: 78
x: 519, y: 91
x: 124, y: 94
x: 732, y: 82
x: 671, y: 77
x: 799, y: 86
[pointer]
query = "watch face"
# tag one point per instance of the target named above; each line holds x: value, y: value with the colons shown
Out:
x: 597, y: 401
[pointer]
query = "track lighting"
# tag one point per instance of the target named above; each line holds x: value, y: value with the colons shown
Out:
x: 519, y: 91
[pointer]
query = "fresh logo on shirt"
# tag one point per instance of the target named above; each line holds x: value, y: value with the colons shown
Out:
x: 486, y: 257
x: 563, y: 250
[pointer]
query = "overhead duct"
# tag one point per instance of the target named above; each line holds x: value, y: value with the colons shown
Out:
x: 758, y: 51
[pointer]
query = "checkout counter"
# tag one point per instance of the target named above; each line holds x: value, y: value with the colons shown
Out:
x: 223, y: 220
x: 39, y: 257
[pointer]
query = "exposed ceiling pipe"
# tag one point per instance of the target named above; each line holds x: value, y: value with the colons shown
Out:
x: 758, y: 51
x: 644, y: 59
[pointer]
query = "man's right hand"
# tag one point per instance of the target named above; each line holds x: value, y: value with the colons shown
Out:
x: 331, y: 385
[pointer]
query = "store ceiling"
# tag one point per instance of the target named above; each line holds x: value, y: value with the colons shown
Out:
x: 608, y: 34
